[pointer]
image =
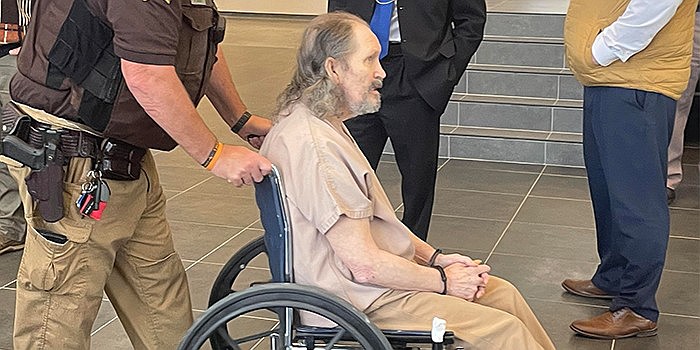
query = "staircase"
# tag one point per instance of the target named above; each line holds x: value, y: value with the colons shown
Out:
x: 517, y: 102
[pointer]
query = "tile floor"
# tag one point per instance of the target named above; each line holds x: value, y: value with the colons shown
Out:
x: 533, y: 224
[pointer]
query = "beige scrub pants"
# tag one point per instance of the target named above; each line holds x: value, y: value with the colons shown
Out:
x: 129, y: 254
x: 500, y: 320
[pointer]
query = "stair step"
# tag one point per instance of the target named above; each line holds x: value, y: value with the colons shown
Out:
x: 524, y: 39
x: 520, y: 53
x: 519, y: 24
x: 539, y: 82
x: 519, y: 69
x: 541, y: 118
x: 506, y: 148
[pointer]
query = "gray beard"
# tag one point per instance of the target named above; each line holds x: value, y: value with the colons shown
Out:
x: 366, y: 107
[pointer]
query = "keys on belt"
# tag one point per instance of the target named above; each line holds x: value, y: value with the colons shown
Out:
x: 94, y: 195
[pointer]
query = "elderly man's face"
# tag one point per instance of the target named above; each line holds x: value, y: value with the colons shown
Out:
x: 362, y: 74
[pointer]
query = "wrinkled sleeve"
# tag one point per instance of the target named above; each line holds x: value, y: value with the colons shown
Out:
x: 145, y: 31
x: 323, y: 183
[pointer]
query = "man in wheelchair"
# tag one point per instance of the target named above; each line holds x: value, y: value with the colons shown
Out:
x: 347, y: 238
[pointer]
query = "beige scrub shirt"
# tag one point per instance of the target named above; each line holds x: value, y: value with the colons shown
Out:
x: 325, y: 176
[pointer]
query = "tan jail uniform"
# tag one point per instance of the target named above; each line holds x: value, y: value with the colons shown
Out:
x: 326, y: 176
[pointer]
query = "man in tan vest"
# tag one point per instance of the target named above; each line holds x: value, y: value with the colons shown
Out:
x: 633, y: 58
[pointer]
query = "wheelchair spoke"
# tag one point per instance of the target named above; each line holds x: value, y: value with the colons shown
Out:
x: 258, y: 335
x: 335, y: 339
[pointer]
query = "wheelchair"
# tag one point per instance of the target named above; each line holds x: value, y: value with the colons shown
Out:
x: 253, y: 307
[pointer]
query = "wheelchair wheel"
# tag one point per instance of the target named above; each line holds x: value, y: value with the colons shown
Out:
x: 253, y: 259
x: 240, y: 313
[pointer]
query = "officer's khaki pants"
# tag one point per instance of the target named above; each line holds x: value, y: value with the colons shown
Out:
x: 12, y: 225
x: 500, y: 320
x: 11, y: 216
x: 129, y: 254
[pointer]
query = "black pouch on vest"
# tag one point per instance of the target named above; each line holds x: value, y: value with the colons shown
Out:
x: 120, y: 160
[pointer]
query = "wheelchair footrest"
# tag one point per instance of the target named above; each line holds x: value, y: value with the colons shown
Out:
x: 394, y: 336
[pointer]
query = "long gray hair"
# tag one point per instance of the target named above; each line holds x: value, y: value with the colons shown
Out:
x: 328, y: 35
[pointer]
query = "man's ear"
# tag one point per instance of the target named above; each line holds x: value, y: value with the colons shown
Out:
x: 332, y: 67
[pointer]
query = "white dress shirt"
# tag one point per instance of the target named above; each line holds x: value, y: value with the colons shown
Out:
x: 394, y: 32
x: 633, y: 31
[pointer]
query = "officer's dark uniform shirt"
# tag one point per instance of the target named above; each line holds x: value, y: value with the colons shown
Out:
x: 69, y: 66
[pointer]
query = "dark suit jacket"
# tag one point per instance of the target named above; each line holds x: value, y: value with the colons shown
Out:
x: 438, y: 38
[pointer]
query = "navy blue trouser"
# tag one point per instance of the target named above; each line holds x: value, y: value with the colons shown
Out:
x: 625, y: 140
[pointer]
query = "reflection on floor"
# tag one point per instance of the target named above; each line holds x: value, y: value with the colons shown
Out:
x: 533, y: 224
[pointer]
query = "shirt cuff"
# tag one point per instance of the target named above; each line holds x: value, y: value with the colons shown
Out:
x: 602, y: 53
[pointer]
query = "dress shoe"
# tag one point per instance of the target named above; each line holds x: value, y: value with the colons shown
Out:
x: 623, y: 323
x: 670, y: 195
x: 584, y: 288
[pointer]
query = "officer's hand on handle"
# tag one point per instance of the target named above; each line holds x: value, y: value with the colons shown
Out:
x: 255, y: 129
x: 241, y: 166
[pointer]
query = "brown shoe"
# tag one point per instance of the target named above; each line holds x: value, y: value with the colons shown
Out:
x: 623, y: 323
x: 584, y: 288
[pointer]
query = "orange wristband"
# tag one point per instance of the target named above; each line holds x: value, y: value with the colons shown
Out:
x: 214, y: 155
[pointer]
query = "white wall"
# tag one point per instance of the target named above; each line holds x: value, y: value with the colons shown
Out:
x: 297, y: 7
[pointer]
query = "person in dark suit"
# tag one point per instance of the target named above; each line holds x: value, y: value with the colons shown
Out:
x: 429, y: 46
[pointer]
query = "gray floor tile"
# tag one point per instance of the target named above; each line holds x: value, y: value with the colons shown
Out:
x: 474, y: 164
x: 458, y: 175
x: 561, y: 187
x: 179, y: 178
x: 547, y: 241
x: 674, y: 333
x: 217, y: 185
x: 687, y: 196
x: 463, y: 233
x: 193, y: 241
x: 683, y: 255
x: 685, y: 223
x: 200, y: 278
x: 475, y: 204
x: 106, y: 314
x: 571, y: 171
x: 555, y: 317
x: 557, y: 212
x: 679, y: 293
x: 543, y: 277
x: 218, y: 209
x: 223, y: 254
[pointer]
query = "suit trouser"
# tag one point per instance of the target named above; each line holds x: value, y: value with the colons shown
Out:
x: 501, y: 319
x: 12, y: 224
x: 675, y: 148
x: 414, y: 129
x: 129, y: 254
x: 625, y: 143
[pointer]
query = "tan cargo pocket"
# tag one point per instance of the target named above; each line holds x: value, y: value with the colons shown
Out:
x: 56, y: 251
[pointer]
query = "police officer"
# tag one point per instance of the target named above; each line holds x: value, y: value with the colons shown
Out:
x: 104, y: 81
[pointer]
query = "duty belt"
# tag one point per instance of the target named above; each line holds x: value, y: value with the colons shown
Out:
x: 73, y: 143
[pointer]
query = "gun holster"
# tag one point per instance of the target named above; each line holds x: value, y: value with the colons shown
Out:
x: 45, y: 181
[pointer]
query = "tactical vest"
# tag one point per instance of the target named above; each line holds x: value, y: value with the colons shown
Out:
x: 80, y: 77
x: 663, y: 66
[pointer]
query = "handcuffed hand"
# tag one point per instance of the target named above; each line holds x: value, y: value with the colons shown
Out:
x: 467, y: 282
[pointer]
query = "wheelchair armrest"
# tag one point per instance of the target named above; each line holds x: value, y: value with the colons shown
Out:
x: 394, y: 336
